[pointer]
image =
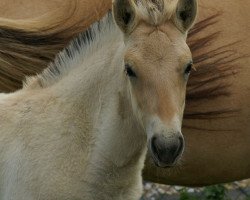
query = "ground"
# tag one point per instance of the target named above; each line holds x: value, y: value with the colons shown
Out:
x: 232, y: 191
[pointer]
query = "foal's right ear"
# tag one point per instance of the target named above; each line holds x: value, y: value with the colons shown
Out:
x: 124, y: 14
x: 185, y: 14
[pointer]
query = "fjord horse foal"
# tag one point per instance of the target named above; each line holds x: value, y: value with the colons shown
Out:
x: 80, y: 129
x: 215, y: 121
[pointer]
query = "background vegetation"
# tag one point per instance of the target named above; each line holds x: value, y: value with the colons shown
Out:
x: 233, y: 191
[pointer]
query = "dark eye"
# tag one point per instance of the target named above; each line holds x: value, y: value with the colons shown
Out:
x: 129, y: 71
x: 188, y: 68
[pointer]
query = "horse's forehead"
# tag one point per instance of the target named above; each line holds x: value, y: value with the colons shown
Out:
x: 158, y: 49
x: 165, y: 39
x: 168, y: 29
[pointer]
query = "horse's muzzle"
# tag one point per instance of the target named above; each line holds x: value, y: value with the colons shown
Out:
x: 166, y: 151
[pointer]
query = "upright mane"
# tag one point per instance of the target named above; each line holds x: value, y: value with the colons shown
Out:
x: 82, y: 46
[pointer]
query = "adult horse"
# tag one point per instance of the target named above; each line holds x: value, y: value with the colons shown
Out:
x: 81, y: 128
x: 216, y: 124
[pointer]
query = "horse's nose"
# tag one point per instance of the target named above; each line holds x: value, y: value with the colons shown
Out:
x: 166, y: 151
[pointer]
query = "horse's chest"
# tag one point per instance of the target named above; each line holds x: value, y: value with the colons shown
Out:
x: 85, y: 190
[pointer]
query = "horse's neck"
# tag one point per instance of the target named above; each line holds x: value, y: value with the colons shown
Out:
x: 99, y: 91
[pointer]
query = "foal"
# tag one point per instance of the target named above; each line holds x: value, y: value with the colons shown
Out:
x: 80, y: 129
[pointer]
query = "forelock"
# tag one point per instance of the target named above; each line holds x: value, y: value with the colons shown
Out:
x: 155, y: 12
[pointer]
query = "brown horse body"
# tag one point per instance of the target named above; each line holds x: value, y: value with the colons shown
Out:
x: 216, y: 122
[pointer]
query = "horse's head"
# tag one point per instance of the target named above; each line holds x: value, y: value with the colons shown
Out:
x: 157, y: 63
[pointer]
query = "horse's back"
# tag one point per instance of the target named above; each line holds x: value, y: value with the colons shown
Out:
x: 21, y: 9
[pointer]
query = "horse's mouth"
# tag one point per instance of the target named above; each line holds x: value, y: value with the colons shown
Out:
x: 159, y: 163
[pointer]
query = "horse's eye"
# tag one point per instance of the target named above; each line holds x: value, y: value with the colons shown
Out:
x: 129, y: 71
x: 188, y: 68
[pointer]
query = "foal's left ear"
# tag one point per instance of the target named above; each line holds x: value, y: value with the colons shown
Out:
x: 185, y: 15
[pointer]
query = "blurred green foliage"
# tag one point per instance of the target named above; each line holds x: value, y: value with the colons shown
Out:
x: 215, y: 192
x: 184, y: 195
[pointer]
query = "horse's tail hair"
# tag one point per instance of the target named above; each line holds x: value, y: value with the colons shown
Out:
x: 27, y: 46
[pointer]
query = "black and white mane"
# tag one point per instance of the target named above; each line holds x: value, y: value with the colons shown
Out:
x: 79, y: 48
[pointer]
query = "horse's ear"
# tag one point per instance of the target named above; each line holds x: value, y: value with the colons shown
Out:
x: 186, y: 13
x: 124, y: 14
